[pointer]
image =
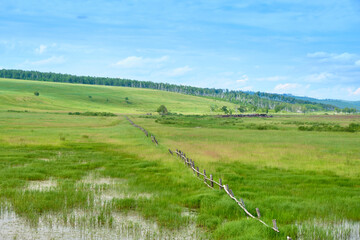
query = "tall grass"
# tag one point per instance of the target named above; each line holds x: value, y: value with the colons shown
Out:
x: 293, y: 176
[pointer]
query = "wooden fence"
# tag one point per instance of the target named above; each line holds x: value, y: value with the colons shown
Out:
x: 210, y: 182
x: 153, y: 139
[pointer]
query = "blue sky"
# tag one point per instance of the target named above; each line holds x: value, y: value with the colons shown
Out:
x: 306, y: 48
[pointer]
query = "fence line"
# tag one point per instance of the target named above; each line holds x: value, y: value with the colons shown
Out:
x: 226, y: 188
x: 153, y: 139
x: 191, y: 163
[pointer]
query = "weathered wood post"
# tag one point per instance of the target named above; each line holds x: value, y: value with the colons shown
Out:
x: 231, y: 192
x: 274, y: 224
x: 204, y: 175
x: 220, y: 182
x: 211, y: 181
x: 197, y: 169
x: 227, y: 187
x: 242, y: 202
x: 258, y: 212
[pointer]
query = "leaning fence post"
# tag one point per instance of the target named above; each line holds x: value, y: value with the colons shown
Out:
x: 211, y: 181
x: 204, y: 175
x: 231, y: 192
x: 274, y: 224
x: 220, y: 182
x: 242, y: 202
x: 258, y: 213
x: 197, y: 169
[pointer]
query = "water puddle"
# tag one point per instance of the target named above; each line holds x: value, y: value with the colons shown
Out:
x: 46, y: 185
x: 340, y: 230
x: 107, y: 189
x: 85, y: 225
x: 97, y: 222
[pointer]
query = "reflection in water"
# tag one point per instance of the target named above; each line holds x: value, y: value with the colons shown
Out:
x: 79, y: 225
x: 340, y: 230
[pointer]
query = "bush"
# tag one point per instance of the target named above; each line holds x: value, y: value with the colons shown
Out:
x: 162, y: 110
x: 328, y: 127
x: 36, y: 93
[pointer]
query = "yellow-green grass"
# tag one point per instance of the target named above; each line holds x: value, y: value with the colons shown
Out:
x: 294, y: 176
x: 67, y: 148
x: 230, y: 140
x: 63, y: 97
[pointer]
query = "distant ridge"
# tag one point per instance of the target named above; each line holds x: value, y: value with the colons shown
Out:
x: 336, y: 102
x: 258, y: 101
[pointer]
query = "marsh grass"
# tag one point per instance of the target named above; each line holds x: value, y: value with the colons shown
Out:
x: 292, y: 176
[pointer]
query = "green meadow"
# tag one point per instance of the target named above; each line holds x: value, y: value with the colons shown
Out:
x: 83, y: 172
x: 64, y: 97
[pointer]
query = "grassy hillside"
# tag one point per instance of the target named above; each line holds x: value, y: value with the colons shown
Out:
x: 249, y: 101
x: 19, y: 95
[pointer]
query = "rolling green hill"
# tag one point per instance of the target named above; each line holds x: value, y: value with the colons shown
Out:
x: 248, y: 101
x: 19, y: 95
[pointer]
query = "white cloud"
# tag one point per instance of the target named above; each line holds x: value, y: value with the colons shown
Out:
x: 332, y: 57
x: 135, y: 62
x: 318, y: 77
x: 41, y: 49
x: 130, y: 62
x: 354, y: 92
x: 178, y: 71
x: 244, y: 78
x: 357, y: 92
x: 357, y: 63
x: 318, y: 55
x: 247, y: 88
x: 51, y: 60
x: 286, y: 86
x: 272, y: 79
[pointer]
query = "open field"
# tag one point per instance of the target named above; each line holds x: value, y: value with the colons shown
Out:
x: 76, y: 173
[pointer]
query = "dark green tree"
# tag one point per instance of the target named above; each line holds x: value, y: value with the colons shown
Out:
x: 278, y: 108
x: 224, y: 109
x: 36, y: 93
x: 162, y: 110
x: 242, y: 109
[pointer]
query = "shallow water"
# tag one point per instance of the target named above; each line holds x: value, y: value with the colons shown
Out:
x: 96, y: 223
x: 130, y: 226
x: 339, y: 230
x: 46, y: 185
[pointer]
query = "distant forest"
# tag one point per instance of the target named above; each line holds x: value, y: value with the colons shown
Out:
x: 247, y: 101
